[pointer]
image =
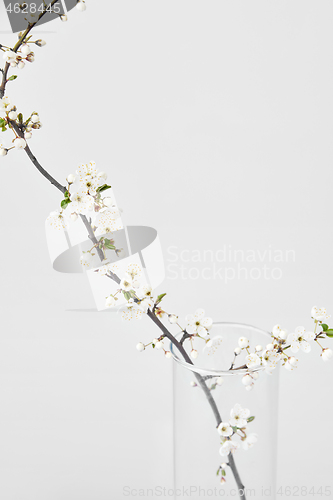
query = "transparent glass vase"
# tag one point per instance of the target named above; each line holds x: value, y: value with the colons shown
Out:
x: 204, y: 394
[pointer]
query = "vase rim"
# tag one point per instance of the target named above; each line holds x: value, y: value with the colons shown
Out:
x: 220, y: 373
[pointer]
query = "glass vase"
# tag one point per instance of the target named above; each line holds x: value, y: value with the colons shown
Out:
x: 204, y: 395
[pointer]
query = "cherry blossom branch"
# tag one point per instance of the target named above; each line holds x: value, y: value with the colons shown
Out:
x: 19, y: 43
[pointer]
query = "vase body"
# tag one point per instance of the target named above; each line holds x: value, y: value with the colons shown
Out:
x: 197, y: 442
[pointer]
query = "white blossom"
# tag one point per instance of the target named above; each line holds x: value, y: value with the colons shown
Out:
x: 110, y: 301
x: 213, y: 344
x: 252, y: 360
x: 225, y: 429
x: 57, y: 220
x: 198, y: 324
x: 279, y: 332
x: 134, y: 271
x: 259, y: 348
x: 319, y: 314
x: 87, y: 169
x: 228, y: 447
x: 81, y: 203
x: 106, y: 221
x: 239, y: 416
x: 291, y: 363
x: 86, y: 260
x: 249, y: 441
x: 270, y: 359
x: 126, y: 283
x: 300, y: 340
x: 131, y: 311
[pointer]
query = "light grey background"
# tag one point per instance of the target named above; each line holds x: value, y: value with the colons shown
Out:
x: 214, y: 121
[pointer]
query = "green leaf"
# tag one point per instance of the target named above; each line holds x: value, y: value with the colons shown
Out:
x: 2, y: 122
x: 159, y: 298
x: 109, y: 244
x: 102, y: 188
x: 223, y: 472
x: 329, y: 333
x: 218, y: 472
x: 66, y: 194
x: 20, y: 117
x: 11, y: 78
x: 127, y: 295
x: 234, y: 428
x: 250, y: 419
x: 64, y: 204
x: 3, y: 129
x: 324, y: 327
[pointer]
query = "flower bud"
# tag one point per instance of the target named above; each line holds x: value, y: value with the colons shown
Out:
x: 25, y: 49
x: 21, y: 65
x: 326, y: 354
x: 19, y: 143
x: 74, y: 217
x: 259, y: 348
x: 140, y: 347
x: 247, y: 380
x: 243, y: 342
x: 219, y: 380
x: 269, y: 347
x: 107, y: 201
x: 12, y: 115
x: 158, y: 345
x: 3, y: 151
x: 30, y: 57
x: 168, y: 354
x: 237, y: 351
x: 40, y: 43
x: 172, y: 318
x: 71, y: 179
x: 34, y: 118
x: 194, y: 353
x: 81, y: 5
x: 28, y: 135
x: 64, y: 18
